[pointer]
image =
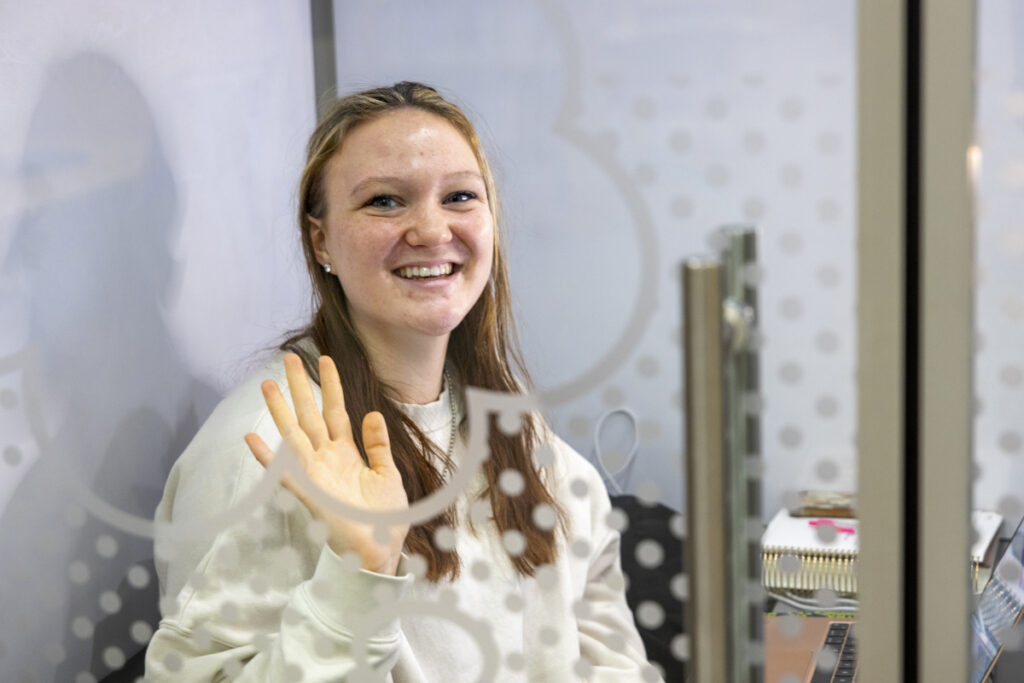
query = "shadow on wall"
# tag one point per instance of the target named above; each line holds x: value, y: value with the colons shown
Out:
x: 113, y: 403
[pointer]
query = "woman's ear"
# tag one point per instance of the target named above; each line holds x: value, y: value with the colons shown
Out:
x: 318, y: 237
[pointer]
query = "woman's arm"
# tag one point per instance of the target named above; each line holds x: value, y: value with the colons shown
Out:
x: 262, y: 596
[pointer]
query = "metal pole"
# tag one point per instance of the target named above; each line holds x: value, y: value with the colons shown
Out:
x: 325, y: 66
x: 881, y: 212
x: 705, y: 560
x: 945, y: 361
x: 742, y: 446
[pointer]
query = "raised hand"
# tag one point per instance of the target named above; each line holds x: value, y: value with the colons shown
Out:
x: 324, y: 446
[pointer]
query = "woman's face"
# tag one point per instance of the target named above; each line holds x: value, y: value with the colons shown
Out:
x: 408, y: 230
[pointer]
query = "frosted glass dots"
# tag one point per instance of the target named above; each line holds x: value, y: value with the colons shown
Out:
x: 12, y: 456
x: 717, y: 108
x: 141, y: 632
x: 753, y: 208
x: 753, y: 142
x: 791, y: 176
x: 510, y: 422
x: 82, y: 627
x: 791, y: 308
x: 791, y: 109
x: 480, y: 570
x: 651, y: 673
x: 791, y: 242
x: 110, y: 602
x: 791, y: 626
x: 826, y: 533
x: 789, y: 564
x: 78, y: 572
x: 650, y: 615
x: 649, y: 553
x: 511, y: 482
x: 681, y: 207
x: 826, y: 470
x: 717, y: 175
x: 514, y: 542
x: 647, y: 366
x: 583, y: 668
x: 644, y: 108
x: 548, y: 636
x: 544, y: 516
x: 515, y: 661
x: 828, y: 210
x: 106, y: 546
x: 1010, y: 507
x: 1010, y: 442
x: 444, y: 538
x: 827, y: 341
x: 546, y: 576
x: 1011, y: 376
x: 114, y: 657
x: 680, y: 647
x: 679, y: 587
x: 514, y: 602
x: 828, y: 276
x: 680, y: 141
x: 791, y: 372
x: 138, y: 577
x: 791, y: 436
x: 825, y: 659
x: 828, y: 142
x: 826, y: 597
x: 826, y: 406
x: 416, y: 565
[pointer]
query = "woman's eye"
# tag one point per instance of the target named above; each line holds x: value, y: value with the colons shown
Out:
x: 463, y: 196
x: 383, y: 201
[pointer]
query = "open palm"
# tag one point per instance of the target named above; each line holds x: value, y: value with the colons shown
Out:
x: 323, y: 443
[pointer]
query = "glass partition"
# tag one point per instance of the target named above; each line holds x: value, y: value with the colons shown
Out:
x: 997, y: 470
x: 151, y: 260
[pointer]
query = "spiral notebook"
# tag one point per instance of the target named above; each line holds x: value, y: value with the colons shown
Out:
x: 813, y: 553
x: 809, y: 553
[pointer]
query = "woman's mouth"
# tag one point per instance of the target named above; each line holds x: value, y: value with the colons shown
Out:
x: 425, y: 272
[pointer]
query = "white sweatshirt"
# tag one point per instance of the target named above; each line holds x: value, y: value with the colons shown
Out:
x: 266, y: 599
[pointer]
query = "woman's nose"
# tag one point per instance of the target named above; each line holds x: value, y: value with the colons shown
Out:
x: 429, y: 228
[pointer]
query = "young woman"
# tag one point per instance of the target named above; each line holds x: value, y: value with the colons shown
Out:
x: 518, y: 579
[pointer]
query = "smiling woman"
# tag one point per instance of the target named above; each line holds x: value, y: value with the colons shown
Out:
x: 407, y: 229
x: 398, y: 218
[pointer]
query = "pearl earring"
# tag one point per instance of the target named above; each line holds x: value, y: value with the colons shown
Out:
x: 327, y: 268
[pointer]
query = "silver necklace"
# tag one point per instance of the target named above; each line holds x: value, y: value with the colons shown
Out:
x: 454, y: 426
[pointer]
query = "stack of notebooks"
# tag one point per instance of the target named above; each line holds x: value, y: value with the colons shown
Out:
x: 810, y: 553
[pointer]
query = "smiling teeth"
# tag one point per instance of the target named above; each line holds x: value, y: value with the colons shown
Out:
x: 423, y: 272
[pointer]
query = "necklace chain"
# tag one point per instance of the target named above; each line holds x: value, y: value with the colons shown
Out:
x: 454, y: 424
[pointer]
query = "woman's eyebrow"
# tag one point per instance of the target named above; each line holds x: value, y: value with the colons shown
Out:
x: 395, y: 180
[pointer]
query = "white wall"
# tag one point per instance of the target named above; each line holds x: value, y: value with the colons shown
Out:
x: 148, y: 158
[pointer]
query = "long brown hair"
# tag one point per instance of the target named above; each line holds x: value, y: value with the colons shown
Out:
x: 482, y: 350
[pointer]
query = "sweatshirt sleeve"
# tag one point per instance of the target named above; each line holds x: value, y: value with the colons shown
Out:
x: 260, y: 599
x: 313, y: 641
